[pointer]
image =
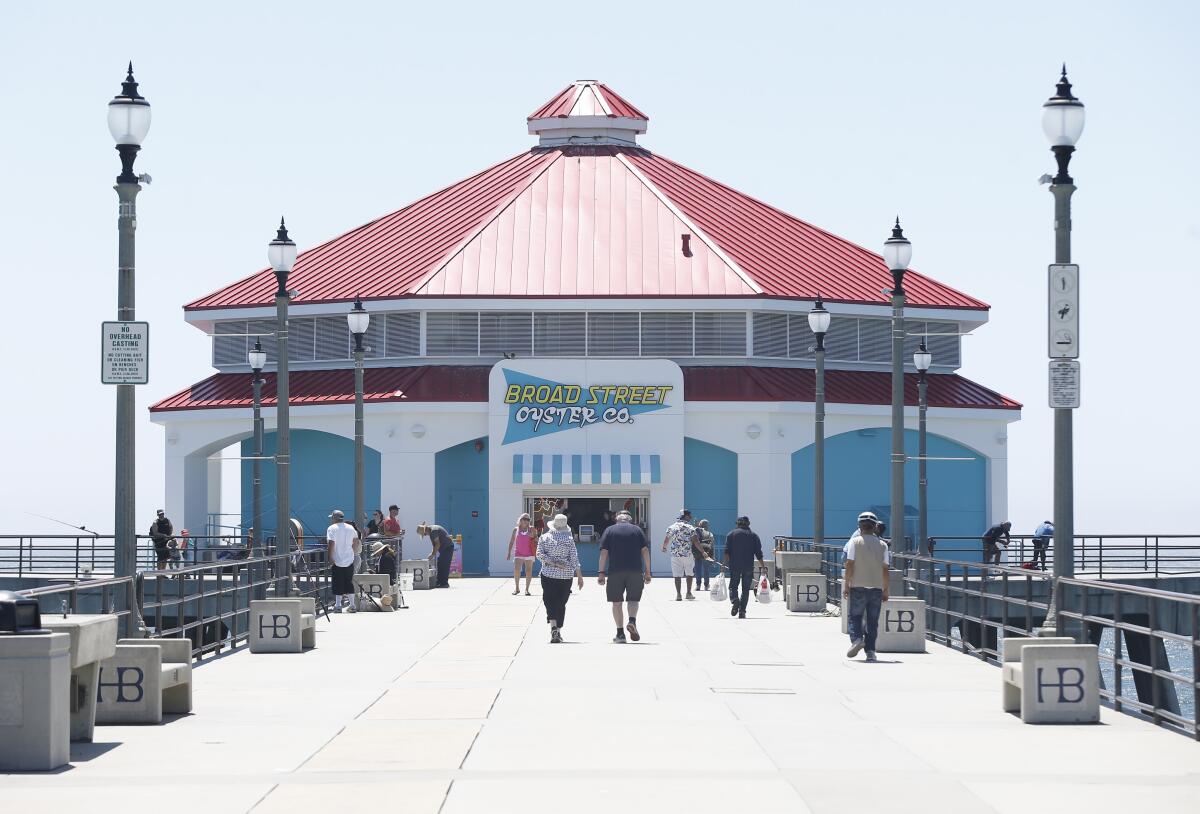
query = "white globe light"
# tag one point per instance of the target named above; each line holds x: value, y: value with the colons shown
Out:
x: 129, y: 114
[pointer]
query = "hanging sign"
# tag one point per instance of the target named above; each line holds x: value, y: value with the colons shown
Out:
x: 124, y: 352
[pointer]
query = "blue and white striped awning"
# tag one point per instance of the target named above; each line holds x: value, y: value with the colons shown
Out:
x: 587, y: 469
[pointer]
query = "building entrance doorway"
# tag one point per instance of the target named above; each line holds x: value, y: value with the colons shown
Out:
x: 588, y: 516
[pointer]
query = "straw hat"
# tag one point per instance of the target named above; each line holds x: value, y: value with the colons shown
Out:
x: 377, y: 547
x: 422, y: 529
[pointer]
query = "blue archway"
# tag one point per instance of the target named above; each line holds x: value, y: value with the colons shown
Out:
x: 710, y: 485
x: 322, y: 474
x: 461, y: 499
x: 858, y: 477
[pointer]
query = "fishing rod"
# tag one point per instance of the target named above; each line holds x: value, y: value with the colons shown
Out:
x: 95, y: 534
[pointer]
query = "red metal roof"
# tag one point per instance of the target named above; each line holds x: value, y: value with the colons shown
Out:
x: 587, y: 221
x: 469, y: 383
x: 784, y: 255
x: 742, y: 383
x: 587, y: 98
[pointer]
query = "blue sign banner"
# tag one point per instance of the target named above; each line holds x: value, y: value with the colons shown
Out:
x: 539, y: 406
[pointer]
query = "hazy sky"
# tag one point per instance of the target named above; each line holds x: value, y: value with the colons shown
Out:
x: 842, y: 114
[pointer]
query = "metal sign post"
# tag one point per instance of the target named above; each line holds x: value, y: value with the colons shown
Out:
x: 124, y: 352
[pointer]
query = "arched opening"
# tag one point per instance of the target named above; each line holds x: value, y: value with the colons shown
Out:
x: 858, y: 478
x: 710, y: 485
x: 461, y: 499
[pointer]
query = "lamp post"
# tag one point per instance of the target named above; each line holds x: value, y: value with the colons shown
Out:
x: 281, y: 252
x: 358, y: 318
x: 818, y: 323
x: 897, y: 252
x: 257, y: 359
x: 128, y: 122
x: 1062, y: 122
x: 922, y: 359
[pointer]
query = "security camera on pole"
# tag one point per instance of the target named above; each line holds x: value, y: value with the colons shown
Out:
x: 1062, y: 121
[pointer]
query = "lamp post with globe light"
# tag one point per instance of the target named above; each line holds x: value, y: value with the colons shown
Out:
x: 818, y: 323
x: 359, y: 319
x: 897, y: 253
x: 281, y: 252
x: 922, y: 359
x: 128, y: 122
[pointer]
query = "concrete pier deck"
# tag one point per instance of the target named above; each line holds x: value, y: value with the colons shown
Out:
x: 461, y: 705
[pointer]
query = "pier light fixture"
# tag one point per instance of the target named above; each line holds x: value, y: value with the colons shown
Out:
x: 818, y: 323
x: 897, y: 253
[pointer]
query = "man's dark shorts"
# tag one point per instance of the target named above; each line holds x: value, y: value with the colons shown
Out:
x: 625, y: 586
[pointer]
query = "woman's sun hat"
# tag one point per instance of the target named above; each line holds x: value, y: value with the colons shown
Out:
x: 560, y: 522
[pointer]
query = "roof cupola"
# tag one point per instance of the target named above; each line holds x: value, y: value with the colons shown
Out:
x: 587, y: 112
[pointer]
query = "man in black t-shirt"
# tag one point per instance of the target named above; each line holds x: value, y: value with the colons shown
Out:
x: 742, y: 546
x: 991, y: 542
x: 625, y: 567
x: 443, y: 551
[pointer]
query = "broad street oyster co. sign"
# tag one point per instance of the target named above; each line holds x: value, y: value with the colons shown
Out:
x: 539, y: 406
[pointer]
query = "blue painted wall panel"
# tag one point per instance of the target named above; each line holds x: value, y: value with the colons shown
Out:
x: 710, y: 486
x: 461, y: 500
x: 322, y: 475
x: 858, y: 475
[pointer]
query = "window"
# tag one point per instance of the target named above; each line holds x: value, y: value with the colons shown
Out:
x: 559, y: 334
x: 613, y: 334
x: 501, y: 333
x: 771, y: 335
x: 302, y: 339
x: 452, y: 334
x: 667, y: 334
x: 721, y: 334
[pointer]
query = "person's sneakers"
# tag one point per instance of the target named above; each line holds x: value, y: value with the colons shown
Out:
x: 689, y: 596
x: 741, y: 614
x: 855, y: 647
x: 733, y: 611
x: 337, y: 608
x: 619, y: 638
x: 678, y: 598
x: 351, y: 609
x: 555, y: 636
x: 633, y: 632
x: 871, y: 656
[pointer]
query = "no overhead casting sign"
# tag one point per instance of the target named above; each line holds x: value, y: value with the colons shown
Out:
x: 539, y: 406
x: 124, y: 352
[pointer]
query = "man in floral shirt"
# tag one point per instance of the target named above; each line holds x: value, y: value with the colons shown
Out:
x: 681, y: 536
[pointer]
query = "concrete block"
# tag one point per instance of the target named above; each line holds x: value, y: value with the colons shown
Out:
x: 808, y: 562
x: 35, y: 724
x: 1051, y: 680
x: 276, y: 625
x: 805, y: 592
x: 901, y: 626
x: 419, y: 569
x: 93, y: 639
x: 375, y: 586
x: 895, y: 582
x: 129, y: 690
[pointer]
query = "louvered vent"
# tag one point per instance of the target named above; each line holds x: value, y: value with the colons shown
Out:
x: 667, y: 334
x: 771, y: 335
x: 302, y: 339
x: 874, y: 340
x: 720, y: 334
x: 501, y: 333
x: 265, y: 330
x: 452, y: 334
x: 402, y: 335
x: 373, y: 338
x: 613, y: 334
x: 841, y: 341
x: 801, y: 340
x: 229, y: 350
x: 946, y: 350
x: 333, y: 338
x: 559, y: 334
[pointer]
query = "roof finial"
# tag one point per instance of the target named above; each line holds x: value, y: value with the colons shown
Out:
x: 282, y: 233
x: 129, y: 88
x: 897, y: 232
x: 1064, y: 85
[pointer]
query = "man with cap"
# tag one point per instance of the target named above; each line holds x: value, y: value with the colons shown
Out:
x: 864, y: 584
x: 742, y: 548
x: 341, y: 546
x: 681, y: 536
x: 160, y: 534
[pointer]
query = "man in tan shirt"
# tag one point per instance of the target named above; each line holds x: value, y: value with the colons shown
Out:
x: 864, y: 585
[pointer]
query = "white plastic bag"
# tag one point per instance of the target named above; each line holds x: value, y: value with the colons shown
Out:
x: 718, y: 592
x: 764, y: 589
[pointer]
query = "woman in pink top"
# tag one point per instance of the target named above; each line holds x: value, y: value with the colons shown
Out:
x: 525, y: 543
